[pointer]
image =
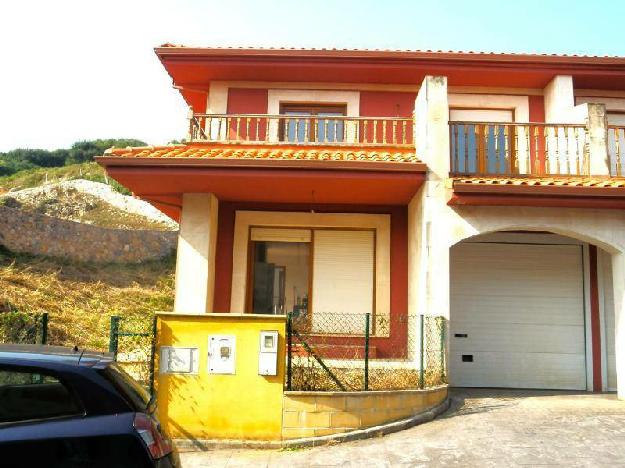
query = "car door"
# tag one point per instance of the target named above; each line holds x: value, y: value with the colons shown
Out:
x: 42, y: 423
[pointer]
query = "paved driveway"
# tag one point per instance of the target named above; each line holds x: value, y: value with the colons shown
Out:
x: 482, y: 428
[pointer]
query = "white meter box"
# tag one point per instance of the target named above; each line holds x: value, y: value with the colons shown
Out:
x: 268, y: 353
x: 221, y: 354
x: 178, y: 360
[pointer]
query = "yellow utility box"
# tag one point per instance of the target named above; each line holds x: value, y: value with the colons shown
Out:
x: 220, y: 376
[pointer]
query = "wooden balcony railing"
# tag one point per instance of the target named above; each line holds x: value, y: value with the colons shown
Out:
x: 301, y: 130
x: 616, y: 150
x: 518, y: 149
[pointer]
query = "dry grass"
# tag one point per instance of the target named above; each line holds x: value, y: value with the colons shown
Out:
x: 81, y: 297
x: 307, y: 375
x: 39, y: 176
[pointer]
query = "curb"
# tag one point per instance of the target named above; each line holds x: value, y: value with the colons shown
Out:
x: 359, y: 434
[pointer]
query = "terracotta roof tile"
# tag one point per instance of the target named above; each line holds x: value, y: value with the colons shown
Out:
x: 286, y: 153
x: 557, y: 181
x: 427, y: 51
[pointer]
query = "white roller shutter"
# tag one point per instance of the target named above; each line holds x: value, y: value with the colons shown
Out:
x: 343, y: 279
x: 517, y: 310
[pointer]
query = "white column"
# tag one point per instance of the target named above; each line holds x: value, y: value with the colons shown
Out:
x: 618, y: 282
x: 598, y: 139
x: 197, y: 242
x: 428, y: 236
x: 559, y: 99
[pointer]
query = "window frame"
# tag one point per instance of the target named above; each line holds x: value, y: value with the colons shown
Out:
x: 315, y: 110
x: 49, y: 373
x: 249, y: 284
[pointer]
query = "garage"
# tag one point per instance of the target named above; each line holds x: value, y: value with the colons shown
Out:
x: 517, y: 313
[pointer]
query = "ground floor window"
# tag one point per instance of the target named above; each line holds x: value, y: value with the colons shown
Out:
x: 280, y: 277
x: 298, y: 271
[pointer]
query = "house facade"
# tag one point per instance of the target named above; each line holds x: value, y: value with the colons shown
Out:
x: 486, y: 188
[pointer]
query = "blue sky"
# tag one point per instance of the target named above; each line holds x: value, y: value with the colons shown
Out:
x: 77, y: 69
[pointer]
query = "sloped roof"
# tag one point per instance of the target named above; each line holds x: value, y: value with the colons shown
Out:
x: 210, y: 151
x: 557, y: 181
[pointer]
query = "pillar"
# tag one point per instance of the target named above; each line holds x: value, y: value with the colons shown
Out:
x: 195, y: 264
x: 618, y: 283
x: 559, y: 99
x: 428, y: 213
x: 598, y: 139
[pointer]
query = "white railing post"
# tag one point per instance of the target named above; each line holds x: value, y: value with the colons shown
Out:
x: 596, y: 123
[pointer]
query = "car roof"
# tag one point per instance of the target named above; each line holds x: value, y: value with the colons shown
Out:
x: 54, y: 354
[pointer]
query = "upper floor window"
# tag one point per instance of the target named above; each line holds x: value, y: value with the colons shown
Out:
x: 315, y: 124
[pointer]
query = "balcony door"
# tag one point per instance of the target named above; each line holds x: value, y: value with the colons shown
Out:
x: 482, y: 149
x: 315, y: 125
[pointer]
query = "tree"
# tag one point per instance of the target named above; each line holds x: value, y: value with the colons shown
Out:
x: 82, y: 151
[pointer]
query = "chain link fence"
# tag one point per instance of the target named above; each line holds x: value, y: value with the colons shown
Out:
x: 349, y: 352
x: 23, y: 328
x: 131, y: 341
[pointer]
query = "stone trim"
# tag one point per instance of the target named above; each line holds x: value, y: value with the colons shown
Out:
x: 375, y: 431
x: 316, y: 414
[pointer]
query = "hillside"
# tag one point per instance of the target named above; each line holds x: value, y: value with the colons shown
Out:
x: 81, y: 193
x: 80, y: 298
x: 39, y: 176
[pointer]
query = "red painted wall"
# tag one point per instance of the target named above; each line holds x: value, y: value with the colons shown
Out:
x: 537, y: 108
x: 395, y: 345
x: 386, y: 104
x: 537, y: 148
x: 247, y: 101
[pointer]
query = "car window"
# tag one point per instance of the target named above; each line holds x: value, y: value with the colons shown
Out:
x: 138, y: 396
x: 27, y: 395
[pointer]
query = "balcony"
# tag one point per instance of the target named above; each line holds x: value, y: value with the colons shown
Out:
x: 487, y: 149
x: 263, y: 129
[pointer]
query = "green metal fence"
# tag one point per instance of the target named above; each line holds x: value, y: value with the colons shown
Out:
x: 133, y: 346
x: 348, y: 352
x: 23, y: 328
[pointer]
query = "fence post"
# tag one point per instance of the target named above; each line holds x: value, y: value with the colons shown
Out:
x: 114, y: 335
x: 421, y: 349
x: 44, y: 328
x: 152, y: 356
x: 289, y: 343
x: 367, y: 319
x: 443, y: 357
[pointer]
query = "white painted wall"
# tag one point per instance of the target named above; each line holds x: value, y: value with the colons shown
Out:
x: 195, y: 263
x: 435, y: 226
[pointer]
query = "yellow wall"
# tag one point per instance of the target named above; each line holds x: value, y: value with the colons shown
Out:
x: 209, y: 406
x: 311, y: 414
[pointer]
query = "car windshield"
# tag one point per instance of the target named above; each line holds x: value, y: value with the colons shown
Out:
x: 137, y: 395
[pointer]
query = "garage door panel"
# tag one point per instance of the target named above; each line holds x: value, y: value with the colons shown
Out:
x: 522, y: 309
x: 519, y: 370
x: 487, y: 309
x: 517, y: 338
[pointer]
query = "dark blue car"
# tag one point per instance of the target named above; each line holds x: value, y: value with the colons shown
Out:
x: 63, y: 407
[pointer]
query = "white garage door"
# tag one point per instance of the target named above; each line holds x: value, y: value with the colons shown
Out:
x: 517, y: 316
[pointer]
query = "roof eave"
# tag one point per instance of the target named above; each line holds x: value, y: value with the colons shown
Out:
x: 377, y: 166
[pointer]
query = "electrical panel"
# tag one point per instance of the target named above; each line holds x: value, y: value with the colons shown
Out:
x: 268, y: 353
x: 221, y: 354
x: 177, y: 360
